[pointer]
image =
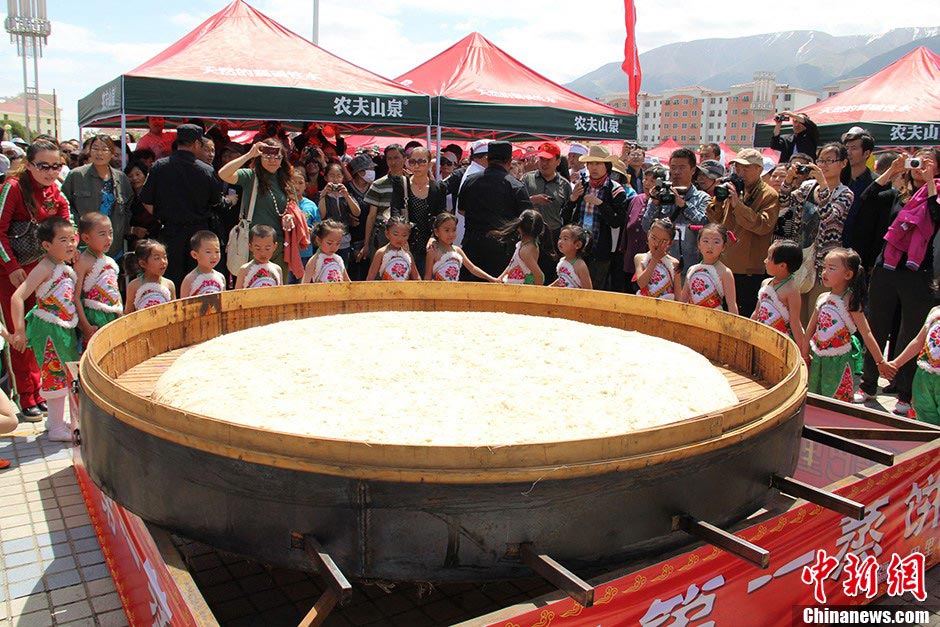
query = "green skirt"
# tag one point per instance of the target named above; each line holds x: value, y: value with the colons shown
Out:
x: 98, y: 318
x: 54, y: 346
x: 834, y: 375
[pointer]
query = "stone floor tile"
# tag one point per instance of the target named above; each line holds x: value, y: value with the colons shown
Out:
x: 71, y: 594
x: 112, y: 619
x: 63, y: 579
x: 78, y: 533
x: 72, y: 611
x: 90, y: 558
x: 15, y: 546
x: 84, y: 622
x: 86, y: 544
x: 20, y: 531
x: 23, y: 588
x: 77, y: 521
x: 21, y: 559
x: 96, y: 571
x: 29, y: 603
x: 60, y: 564
x: 27, y: 572
x: 36, y: 619
x: 53, y: 537
x: 100, y: 587
x: 107, y: 602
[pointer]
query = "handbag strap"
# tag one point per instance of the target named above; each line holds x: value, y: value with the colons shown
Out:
x: 254, y: 197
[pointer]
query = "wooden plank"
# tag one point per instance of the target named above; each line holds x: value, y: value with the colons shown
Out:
x: 729, y: 542
x: 557, y: 575
x: 867, y: 451
x: 829, y: 500
x: 867, y: 413
x: 885, y: 435
x: 320, y: 611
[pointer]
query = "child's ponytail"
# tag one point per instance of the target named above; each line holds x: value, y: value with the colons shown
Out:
x: 859, y: 285
x: 529, y: 222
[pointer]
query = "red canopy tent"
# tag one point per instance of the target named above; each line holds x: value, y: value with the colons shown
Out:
x: 727, y: 153
x: 664, y: 150
x: 241, y: 65
x: 480, y: 91
x: 899, y: 106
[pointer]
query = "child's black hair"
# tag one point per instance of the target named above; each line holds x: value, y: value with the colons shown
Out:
x: 530, y: 222
x: 715, y: 228
x: 50, y: 226
x: 666, y: 225
x: 142, y: 251
x: 320, y: 229
x: 441, y: 218
x: 261, y: 230
x: 398, y: 221
x: 200, y: 238
x: 90, y: 219
x: 858, y: 284
x: 789, y: 252
x: 580, y: 235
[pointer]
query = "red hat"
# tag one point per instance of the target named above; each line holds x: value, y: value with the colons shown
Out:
x: 549, y: 150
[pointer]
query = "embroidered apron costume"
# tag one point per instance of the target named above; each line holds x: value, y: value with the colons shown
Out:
x: 567, y: 274
x: 518, y: 272
x: 328, y: 268
x: 926, y: 387
x: 150, y: 295
x: 396, y: 265
x: 207, y: 283
x: 837, y: 352
x: 447, y: 268
x: 705, y: 288
x: 662, y: 280
x: 771, y: 310
x: 262, y: 275
x: 50, y: 330
x: 101, y: 295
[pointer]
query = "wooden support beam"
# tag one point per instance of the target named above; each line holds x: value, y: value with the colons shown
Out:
x: 321, y: 610
x: 722, y: 539
x: 557, y: 575
x: 875, y: 454
x: 805, y: 491
x: 885, y: 435
x: 867, y: 413
x: 327, y: 568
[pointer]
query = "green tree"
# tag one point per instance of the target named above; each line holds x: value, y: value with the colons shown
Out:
x: 16, y: 130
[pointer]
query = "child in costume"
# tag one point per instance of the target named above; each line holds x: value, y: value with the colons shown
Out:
x: 8, y: 420
x: 778, y: 301
x: 204, y: 278
x: 710, y: 283
x: 571, y: 269
x: 392, y: 262
x: 150, y: 288
x: 658, y: 273
x: 926, y: 386
x: 97, y: 275
x: 833, y: 346
x: 444, y: 259
x: 523, y: 268
x: 260, y: 272
x: 326, y: 266
x: 49, y: 328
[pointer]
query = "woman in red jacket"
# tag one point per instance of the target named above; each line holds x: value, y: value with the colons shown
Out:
x: 30, y: 194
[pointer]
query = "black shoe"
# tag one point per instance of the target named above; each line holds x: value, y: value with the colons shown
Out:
x: 42, y: 406
x: 31, y: 414
x: 891, y: 389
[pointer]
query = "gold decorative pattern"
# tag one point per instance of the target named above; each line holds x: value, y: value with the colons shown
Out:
x: 545, y: 618
x: 693, y: 560
x: 667, y: 570
x: 575, y: 610
x: 609, y: 593
x: 638, y: 582
x: 715, y: 553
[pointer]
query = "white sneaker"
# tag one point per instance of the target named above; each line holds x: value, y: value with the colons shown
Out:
x: 861, y: 397
x: 902, y: 409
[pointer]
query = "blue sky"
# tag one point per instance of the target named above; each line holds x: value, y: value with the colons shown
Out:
x: 93, y: 42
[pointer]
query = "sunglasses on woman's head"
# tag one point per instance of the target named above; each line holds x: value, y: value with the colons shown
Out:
x: 46, y: 167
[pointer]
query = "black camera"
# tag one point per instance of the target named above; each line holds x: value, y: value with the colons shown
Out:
x: 781, y: 117
x: 584, y: 179
x: 724, y: 185
x: 803, y: 169
x: 664, y: 192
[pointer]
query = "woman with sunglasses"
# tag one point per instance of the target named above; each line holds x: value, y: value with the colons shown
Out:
x: 29, y: 196
x: 270, y: 172
x: 424, y: 199
x: 99, y: 186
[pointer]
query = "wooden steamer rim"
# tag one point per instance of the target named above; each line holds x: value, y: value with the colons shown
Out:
x: 741, y: 343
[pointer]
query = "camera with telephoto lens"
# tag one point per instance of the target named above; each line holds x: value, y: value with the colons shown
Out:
x: 781, y: 117
x: 663, y: 192
x: 912, y: 162
x: 803, y: 169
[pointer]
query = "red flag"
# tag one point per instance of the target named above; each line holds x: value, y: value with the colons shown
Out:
x: 631, y: 58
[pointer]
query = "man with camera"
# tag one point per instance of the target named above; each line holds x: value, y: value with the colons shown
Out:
x: 805, y: 136
x: 680, y: 201
x: 747, y: 206
x: 860, y: 144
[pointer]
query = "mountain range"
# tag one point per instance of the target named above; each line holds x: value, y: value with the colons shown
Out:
x: 809, y: 59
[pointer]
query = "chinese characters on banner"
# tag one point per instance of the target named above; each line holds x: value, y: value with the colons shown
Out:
x: 915, y: 132
x: 814, y: 553
x: 376, y: 107
x: 593, y: 124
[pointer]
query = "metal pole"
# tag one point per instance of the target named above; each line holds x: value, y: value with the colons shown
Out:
x: 36, y: 81
x: 123, y: 140
x: 316, y: 22
x: 438, y: 153
x: 25, y: 99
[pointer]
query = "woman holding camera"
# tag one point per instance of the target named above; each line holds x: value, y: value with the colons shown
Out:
x: 903, y: 282
x: 336, y: 203
x: 267, y: 184
x: 813, y: 212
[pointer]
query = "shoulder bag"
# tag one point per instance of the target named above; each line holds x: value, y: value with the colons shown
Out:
x: 237, y: 252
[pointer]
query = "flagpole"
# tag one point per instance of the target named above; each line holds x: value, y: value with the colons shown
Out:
x: 316, y: 22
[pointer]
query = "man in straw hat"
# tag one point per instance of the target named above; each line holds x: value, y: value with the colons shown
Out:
x: 598, y: 207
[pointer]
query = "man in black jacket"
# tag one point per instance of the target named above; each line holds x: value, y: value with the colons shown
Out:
x: 597, y: 208
x: 805, y: 136
x: 489, y: 200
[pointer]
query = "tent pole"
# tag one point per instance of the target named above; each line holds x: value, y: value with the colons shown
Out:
x: 123, y: 140
x: 438, y: 153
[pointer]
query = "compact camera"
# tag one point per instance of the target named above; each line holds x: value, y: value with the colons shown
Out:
x: 781, y: 117
x: 913, y: 162
x: 803, y: 169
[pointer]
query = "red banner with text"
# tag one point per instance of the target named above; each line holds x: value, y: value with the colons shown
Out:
x: 814, y: 554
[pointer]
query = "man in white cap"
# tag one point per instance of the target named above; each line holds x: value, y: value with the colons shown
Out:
x: 575, y: 167
x: 751, y: 215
